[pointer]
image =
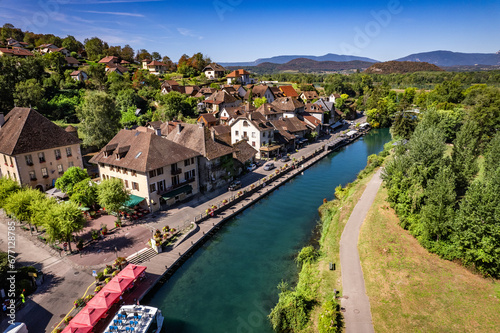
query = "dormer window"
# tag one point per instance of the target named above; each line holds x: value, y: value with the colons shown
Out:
x: 122, y: 151
x: 108, y: 150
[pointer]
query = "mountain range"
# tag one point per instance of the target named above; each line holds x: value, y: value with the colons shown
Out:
x: 438, y: 58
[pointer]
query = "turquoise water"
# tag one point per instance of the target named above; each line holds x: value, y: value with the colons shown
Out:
x: 230, y: 284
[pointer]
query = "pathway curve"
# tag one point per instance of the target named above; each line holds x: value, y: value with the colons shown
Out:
x: 357, y: 315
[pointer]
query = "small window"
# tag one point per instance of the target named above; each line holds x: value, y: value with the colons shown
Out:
x: 5, y: 159
x: 236, y: 133
x: 60, y: 169
x: 159, y: 171
x: 192, y: 160
x: 29, y: 160
x: 245, y: 123
x: 152, y: 173
x: 253, y: 134
x: 135, y: 186
x: 45, y: 174
x: 57, y: 153
x: 187, y: 162
x: 253, y: 143
x: 70, y: 164
x: 32, y: 175
x: 152, y: 187
x: 161, y: 185
x: 68, y: 152
x: 126, y: 183
x: 41, y: 157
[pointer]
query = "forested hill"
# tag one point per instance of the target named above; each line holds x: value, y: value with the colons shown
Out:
x: 401, y: 67
x: 304, y: 65
x: 449, y: 58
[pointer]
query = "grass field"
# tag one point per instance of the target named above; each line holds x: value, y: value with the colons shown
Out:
x: 411, y: 290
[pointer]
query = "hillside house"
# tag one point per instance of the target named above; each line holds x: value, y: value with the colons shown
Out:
x: 239, y: 76
x: 254, y: 128
x: 213, y: 71
x: 291, y: 107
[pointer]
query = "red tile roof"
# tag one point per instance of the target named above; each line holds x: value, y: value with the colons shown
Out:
x: 17, y: 52
x: 238, y: 73
x: 289, y: 91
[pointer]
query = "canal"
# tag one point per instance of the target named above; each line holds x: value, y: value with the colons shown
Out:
x: 230, y: 283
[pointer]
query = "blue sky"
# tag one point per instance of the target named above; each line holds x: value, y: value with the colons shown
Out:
x: 243, y: 30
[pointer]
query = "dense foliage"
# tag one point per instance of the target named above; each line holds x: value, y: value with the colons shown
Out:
x: 443, y: 199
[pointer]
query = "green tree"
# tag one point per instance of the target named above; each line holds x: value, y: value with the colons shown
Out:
x: 156, y: 56
x: 55, y: 61
x: 85, y: 193
x: 97, y: 76
x: 28, y: 93
x: 403, y: 125
x: 491, y: 158
x: 439, y: 210
x: 127, y: 53
x: 18, y: 204
x: 100, y: 120
x: 94, y: 48
x: 7, y: 187
x: 39, y: 209
x: 259, y: 101
x: 63, y: 221
x: 464, y: 156
x: 71, y: 44
x: 112, y: 195
x: 70, y: 178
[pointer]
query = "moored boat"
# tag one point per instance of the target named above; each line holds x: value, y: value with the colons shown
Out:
x: 136, y: 319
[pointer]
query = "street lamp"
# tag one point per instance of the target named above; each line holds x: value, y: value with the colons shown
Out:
x: 116, y: 252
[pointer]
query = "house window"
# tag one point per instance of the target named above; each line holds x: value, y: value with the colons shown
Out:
x: 236, y: 133
x: 126, y: 183
x: 5, y: 159
x: 187, y: 162
x: 245, y: 135
x: 152, y: 187
x: 253, y: 134
x: 253, y: 143
x: 189, y: 175
x: 263, y: 134
x: 192, y: 160
x: 152, y: 173
x: 68, y: 151
x: 45, y: 174
x: 60, y: 169
x: 11, y: 163
x: 70, y: 164
x: 57, y: 153
x: 159, y: 171
x: 245, y: 123
x: 135, y: 186
x: 41, y: 157
x: 161, y: 185
x: 29, y: 160
x: 175, y: 180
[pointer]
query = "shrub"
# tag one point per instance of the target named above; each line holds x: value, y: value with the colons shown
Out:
x: 100, y: 276
x: 329, y: 318
x: 79, y: 302
x: 308, y: 254
x: 108, y: 270
x: 68, y: 319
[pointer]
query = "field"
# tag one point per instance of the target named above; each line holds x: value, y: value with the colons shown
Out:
x: 411, y: 290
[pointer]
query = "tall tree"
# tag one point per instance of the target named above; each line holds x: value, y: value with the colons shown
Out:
x: 156, y: 56
x: 127, y: 53
x: 492, y: 158
x: 464, y: 156
x: 112, y: 195
x: 100, y: 120
x: 94, y: 48
x: 7, y: 187
x: 71, y: 44
x: 18, y: 204
x: 63, y: 221
x: 28, y: 93
x: 85, y: 193
x: 70, y: 178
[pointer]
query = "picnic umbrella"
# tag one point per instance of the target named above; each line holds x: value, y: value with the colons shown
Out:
x: 132, y: 271
x: 104, y: 299
x: 77, y: 328
x: 89, y: 315
x: 119, y: 284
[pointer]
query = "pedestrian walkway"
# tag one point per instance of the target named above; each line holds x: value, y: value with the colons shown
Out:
x: 357, y: 315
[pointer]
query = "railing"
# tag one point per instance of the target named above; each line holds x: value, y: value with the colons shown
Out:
x: 176, y: 172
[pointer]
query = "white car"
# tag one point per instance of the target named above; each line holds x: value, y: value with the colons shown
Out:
x: 269, y: 166
x: 252, y: 167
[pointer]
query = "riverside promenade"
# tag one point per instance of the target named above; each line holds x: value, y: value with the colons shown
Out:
x: 69, y: 280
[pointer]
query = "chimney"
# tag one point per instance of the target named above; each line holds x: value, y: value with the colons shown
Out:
x: 212, y: 134
x: 2, y: 120
x: 179, y: 128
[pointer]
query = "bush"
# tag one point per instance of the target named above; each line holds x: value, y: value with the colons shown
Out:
x: 108, y: 270
x: 68, y: 319
x: 100, y: 276
x: 291, y: 313
x: 329, y: 318
x: 307, y: 255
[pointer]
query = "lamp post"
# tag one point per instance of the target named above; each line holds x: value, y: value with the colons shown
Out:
x: 116, y: 252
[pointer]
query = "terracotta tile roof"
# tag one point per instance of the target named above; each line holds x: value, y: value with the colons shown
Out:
x: 257, y: 91
x: 154, y: 124
x: 26, y: 130
x: 315, y: 122
x: 287, y: 104
x: 313, y: 108
x: 108, y: 59
x: 268, y: 109
x: 124, y: 62
x: 310, y: 95
x: 223, y: 132
x: 289, y: 91
x: 282, y: 129
x: 156, y: 63
x: 220, y: 97
x: 238, y: 73
x: 75, y: 73
x: 113, y: 66
x: 17, y: 52
x: 145, y: 151
x: 208, y: 117
x: 199, y: 139
x: 236, y: 111
x: 215, y: 67
x: 290, y: 125
x: 171, y: 83
x: 276, y: 92
x: 243, y: 152
x: 258, y: 120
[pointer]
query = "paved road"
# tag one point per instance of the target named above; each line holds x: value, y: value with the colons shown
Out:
x: 357, y: 315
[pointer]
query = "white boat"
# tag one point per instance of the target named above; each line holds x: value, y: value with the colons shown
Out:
x: 136, y: 319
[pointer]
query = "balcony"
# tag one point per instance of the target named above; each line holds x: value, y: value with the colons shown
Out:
x: 41, y: 160
x: 176, y: 172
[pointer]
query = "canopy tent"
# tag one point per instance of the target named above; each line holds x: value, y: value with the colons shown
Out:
x: 89, y: 315
x: 133, y: 201
x: 183, y: 189
x: 118, y: 284
x: 104, y: 298
x: 77, y: 328
x: 56, y: 193
x: 132, y: 271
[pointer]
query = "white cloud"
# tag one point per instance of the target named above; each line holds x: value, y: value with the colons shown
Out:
x: 113, y: 13
x: 188, y: 33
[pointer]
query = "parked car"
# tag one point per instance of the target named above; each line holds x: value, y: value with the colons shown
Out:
x: 285, y: 159
x: 269, y: 166
x: 252, y: 167
x: 234, y: 185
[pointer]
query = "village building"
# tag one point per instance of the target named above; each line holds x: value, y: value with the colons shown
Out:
x: 156, y: 171
x: 213, y: 71
x: 254, y: 128
x: 239, y: 76
x: 33, y: 150
x: 291, y: 107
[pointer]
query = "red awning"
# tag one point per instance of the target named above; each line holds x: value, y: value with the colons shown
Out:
x: 104, y: 299
x: 77, y: 328
x: 118, y: 284
x: 132, y: 271
x: 89, y: 315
